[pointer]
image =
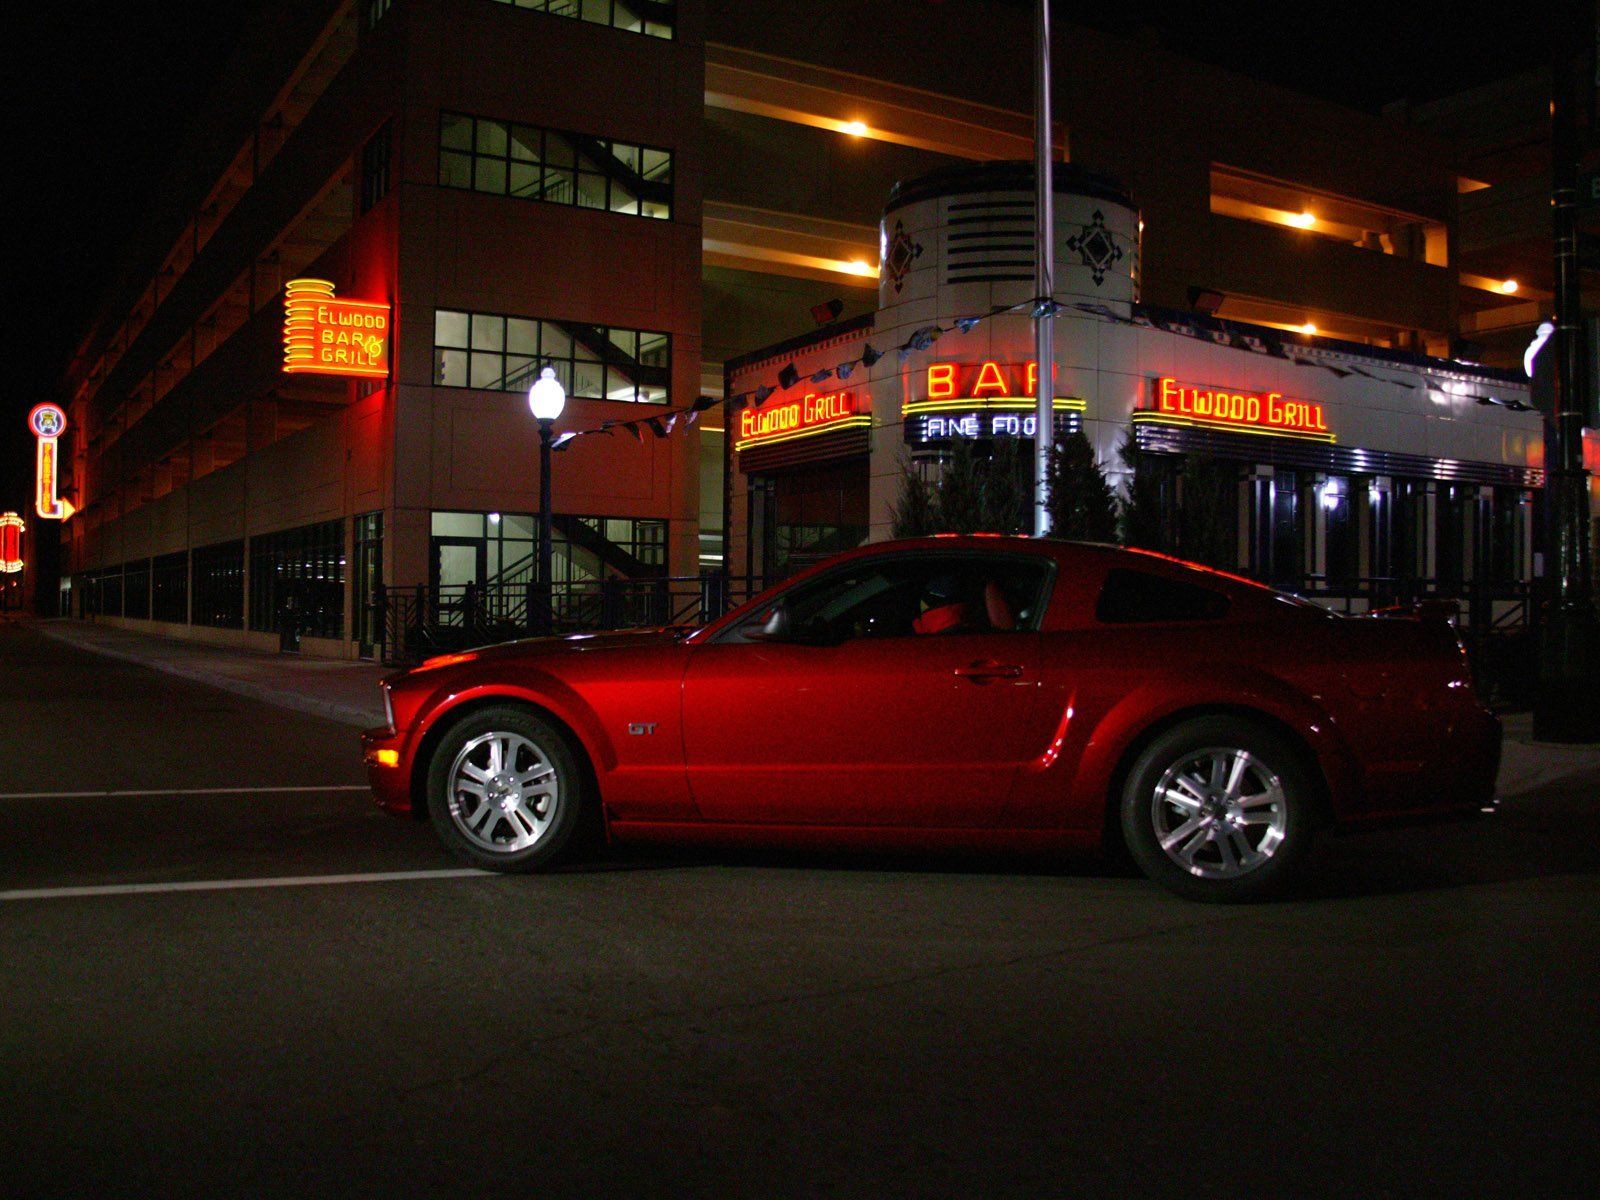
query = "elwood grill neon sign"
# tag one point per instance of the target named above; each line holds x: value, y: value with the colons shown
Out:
x: 324, y: 336
x: 1247, y: 412
x: 48, y: 423
x: 811, y: 414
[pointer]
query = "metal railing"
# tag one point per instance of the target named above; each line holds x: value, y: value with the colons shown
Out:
x: 418, y: 621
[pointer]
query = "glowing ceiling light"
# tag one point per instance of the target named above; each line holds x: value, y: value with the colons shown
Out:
x: 1509, y: 287
x: 854, y: 128
x: 1308, y: 329
x: 856, y: 267
x: 1301, y: 220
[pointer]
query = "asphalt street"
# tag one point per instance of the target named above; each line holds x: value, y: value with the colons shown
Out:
x: 224, y: 973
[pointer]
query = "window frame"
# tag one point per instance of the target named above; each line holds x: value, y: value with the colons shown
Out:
x: 566, y: 365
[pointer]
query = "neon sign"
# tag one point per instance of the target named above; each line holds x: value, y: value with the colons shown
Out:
x: 324, y: 336
x: 811, y: 414
x: 983, y: 400
x: 1246, y: 412
x: 48, y: 423
x: 11, y: 528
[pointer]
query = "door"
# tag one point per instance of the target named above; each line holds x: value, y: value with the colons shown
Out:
x: 902, y: 695
x: 459, y: 568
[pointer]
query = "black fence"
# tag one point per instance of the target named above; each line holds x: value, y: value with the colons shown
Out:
x: 419, y: 621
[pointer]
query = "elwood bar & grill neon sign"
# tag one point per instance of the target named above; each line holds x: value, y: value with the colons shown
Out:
x: 324, y: 336
x: 811, y: 414
x: 1247, y: 412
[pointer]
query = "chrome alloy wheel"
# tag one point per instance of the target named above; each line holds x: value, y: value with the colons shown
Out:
x: 1219, y: 813
x: 503, y: 792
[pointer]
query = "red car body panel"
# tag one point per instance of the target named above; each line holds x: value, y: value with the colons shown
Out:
x: 971, y: 739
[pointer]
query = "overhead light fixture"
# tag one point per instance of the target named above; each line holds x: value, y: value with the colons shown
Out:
x: 854, y: 128
x: 1509, y: 287
x: 856, y: 267
x: 1308, y: 329
x: 1301, y: 220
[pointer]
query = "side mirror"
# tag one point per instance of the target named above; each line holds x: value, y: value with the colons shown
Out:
x: 776, y: 628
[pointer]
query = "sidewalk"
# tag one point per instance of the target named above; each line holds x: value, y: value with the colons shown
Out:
x: 1526, y: 764
x: 334, y: 688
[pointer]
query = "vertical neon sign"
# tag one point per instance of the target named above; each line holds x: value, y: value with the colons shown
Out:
x: 48, y: 423
x: 11, y: 530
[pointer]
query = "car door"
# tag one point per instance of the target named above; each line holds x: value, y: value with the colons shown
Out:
x: 874, y: 710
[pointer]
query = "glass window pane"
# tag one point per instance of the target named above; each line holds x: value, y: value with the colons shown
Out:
x: 558, y: 186
x: 651, y: 394
x: 455, y: 131
x: 517, y: 527
x: 488, y: 333
x: 520, y: 373
x: 556, y: 343
x: 655, y: 209
x: 455, y: 170
x: 591, y: 190
x: 489, y: 175
x: 457, y: 524
x: 449, y: 328
x: 491, y: 138
x: 625, y: 340
x: 582, y: 350
x: 653, y: 349
x: 623, y: 201
x: 586, y: 381
x: 522, y: 335
x: 558, y: 150
x: 619, y: 386
x: 450, y: 368
x: 598, y: 11
x: 525, y: 143
x: 657, y: 165
x: 487, y: 370
x: 627, y: 155
x: 525, y: 180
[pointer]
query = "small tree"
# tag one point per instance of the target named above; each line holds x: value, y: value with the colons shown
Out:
x: 1207, y: 515
x: 915, y: 513
x: 1082, y: 503
x: 1140, y: 512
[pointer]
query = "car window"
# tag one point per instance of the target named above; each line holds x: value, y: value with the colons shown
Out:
x: 918, y: 596
x: 1130, y: 597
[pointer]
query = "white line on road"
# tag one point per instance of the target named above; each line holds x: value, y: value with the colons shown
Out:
x: 231, y: 885
x: 225, y: 791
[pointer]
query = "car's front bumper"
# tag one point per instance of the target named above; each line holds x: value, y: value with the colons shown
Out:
x: 383, y: 751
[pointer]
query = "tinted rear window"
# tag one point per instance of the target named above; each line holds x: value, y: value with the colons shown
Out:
x: 1129, y: 597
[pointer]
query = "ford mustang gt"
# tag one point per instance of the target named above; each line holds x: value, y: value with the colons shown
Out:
x: 981, y: 692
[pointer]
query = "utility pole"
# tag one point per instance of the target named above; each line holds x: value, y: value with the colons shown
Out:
x: 1044, y: 324
x: 1567, y: 708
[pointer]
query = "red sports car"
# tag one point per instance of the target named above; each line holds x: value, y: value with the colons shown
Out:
x: 983, y: 692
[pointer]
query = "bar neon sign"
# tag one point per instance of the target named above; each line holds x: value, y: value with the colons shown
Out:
x: 981, y: 387
x: 1246, y: 412
x: 11, y: 528
x: 811, y: 414
x: 324, y: 336
x: 48, y: 423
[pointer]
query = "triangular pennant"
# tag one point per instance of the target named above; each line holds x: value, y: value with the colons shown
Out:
x: 869, y: 356
x: 823, y: 375
x: 788, y: 377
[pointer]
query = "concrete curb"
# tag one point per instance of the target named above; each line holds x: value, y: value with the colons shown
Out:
x: 334, y: 710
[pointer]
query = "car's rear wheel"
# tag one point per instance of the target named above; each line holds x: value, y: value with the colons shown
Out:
x: 504, y: 790
x: 1219, y: 809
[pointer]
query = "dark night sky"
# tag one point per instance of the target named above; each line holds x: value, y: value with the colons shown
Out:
x: 97, y: 90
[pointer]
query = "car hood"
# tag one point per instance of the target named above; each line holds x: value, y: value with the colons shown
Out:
x: 579, y: 643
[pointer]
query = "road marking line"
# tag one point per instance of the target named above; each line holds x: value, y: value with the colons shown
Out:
x: 227, y: 885
x: 225, y: 791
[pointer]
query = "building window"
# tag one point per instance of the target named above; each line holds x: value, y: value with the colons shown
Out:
x: 169, y: 588
x: 373, y: 11
x: 507, y: 159
x: 218, y: 586
x: 368, y: 579
x: 136, y: 589
x: 654, y: 18
x: 593, y: 362
x: 299, y: 572
x: 375, y: 167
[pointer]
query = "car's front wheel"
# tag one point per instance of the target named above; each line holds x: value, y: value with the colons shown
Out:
x: 504, y: 790
x: 1219, y: 809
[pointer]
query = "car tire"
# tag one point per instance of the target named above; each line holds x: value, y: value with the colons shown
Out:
x: 1220, y: 809
x: 504, y: 791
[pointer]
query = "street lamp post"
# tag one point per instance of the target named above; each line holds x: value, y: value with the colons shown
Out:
x: 546, y: 399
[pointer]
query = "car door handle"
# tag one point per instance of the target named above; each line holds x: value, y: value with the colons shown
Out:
x: 986, y: 669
